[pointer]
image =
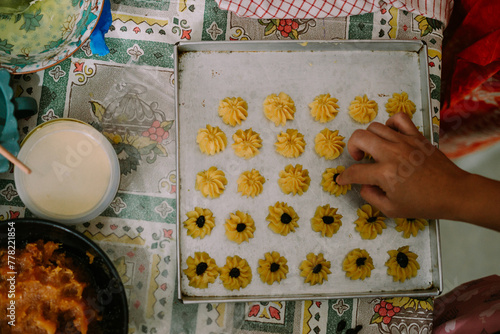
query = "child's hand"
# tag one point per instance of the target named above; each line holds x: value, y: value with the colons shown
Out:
x: 410, y: 178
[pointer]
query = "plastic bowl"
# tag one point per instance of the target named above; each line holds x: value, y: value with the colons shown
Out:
x: 45, y: 33
x: 110, y: 298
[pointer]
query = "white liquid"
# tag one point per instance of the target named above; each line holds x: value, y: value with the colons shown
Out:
x: 70, y: 173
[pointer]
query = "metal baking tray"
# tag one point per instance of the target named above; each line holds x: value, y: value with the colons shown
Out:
x: 206, y: 72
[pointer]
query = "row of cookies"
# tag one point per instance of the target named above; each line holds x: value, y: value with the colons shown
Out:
x: 236, y: 273
x: 283, y: 219
x: 293, y: 180
x: 211, y: 140
x: 281, y: 108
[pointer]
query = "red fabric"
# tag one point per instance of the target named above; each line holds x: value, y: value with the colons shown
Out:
x: 472, y: 307
x: 473, y: 53
x: 282, y: 9
x: 471, y: 60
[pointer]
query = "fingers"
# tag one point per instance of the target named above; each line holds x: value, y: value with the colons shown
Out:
x: 401, y: 122
x: 384, y: 132
x: 362, y: 142
x: 360, y: 174
x: 375, y: 196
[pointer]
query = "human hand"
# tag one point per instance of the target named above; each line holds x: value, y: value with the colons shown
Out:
x: 410, y: 178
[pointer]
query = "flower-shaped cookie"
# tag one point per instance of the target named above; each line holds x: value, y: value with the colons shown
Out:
x: 272, y: 268
x: 211, y: 182
x: 363, y: 110
x: 400, y: 103
x: 239, y: 227
x: 324, y: 108
x: 282, y: 218
x: 329, y: 181
x: 290, y: 144
x: 201, y: 270
x: 236, y: 273
x: 326, y: 220
x: 370, y: 222
x: 358, y: 264
x: 410, y: 226
x: 315, y: 269
x: 279, y: 109
x: 251, y: 183
x: 402, y: 264
x: 294, y: 179
x: 211, y: 140
x: 329, y: 144
x: 246, y: 143
x: 233, y: 110
x: 200, y: 222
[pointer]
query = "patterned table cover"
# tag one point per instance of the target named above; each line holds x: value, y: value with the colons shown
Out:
x: 137, y: 230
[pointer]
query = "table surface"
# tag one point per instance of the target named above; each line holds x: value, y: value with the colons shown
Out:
x: 137, y: 230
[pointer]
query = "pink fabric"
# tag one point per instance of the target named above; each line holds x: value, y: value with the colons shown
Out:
x: 470, y: 308
x: 435, y: 9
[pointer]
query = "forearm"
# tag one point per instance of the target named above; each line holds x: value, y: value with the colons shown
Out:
x: 477, y: 201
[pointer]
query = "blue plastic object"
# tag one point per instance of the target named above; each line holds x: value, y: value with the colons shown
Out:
x: 97, y: 43
x: 9, y: 135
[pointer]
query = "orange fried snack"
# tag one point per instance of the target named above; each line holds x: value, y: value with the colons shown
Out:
x: 49, y: 292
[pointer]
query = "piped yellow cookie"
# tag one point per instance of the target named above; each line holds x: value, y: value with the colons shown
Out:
x: 363, y: 110
x: 315, y: 269
x: 272, y: 268
x: 211, y: 140
x: 251, y: 183
x: 233, y: 110
x: 400, y: 103
x: 211, y: 182
x: 201, y: 270
x: 294, y: 180
x: 329, y: 144
x: 290, y: 144
x: 279, y: 108
x: 324, y: 108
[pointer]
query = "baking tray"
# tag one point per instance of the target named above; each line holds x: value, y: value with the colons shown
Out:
x: 206, y: 72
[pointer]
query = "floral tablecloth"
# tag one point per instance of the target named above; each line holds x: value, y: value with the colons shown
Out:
x: 137, y: 230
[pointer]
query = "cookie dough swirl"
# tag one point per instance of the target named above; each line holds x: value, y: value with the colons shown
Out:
x: 363, y: 110
x: 329, y: 144
x: 233, y: 110
x: 400, y: 103
x: 211, y: 182
x: 279, y: 108
x: 402, y: 264
x: 290, y: 144
x: 324, y: 108
x: 251, y: 183
x: 358, y: 264
x: 246, y: 143
x: 211, y: 140
x: 294, y: 180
